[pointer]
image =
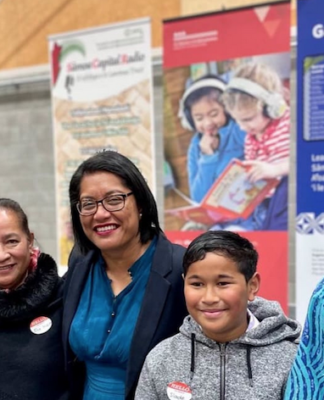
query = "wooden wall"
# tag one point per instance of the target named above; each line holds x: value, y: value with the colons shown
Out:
x: 189, y: 7
x: 26, y: 24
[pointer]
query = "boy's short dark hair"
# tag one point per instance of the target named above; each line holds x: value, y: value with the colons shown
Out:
x: 224, y: 243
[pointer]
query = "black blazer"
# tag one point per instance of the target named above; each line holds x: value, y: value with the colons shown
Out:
x: 162, y: 312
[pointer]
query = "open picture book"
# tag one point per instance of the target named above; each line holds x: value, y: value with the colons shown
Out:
x: 231, y: 196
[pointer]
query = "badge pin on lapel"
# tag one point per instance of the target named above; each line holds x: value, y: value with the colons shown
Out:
x: 178, y: 391
x: 40, y: 325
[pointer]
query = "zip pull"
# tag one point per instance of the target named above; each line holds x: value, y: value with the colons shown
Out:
x: 222, y: 351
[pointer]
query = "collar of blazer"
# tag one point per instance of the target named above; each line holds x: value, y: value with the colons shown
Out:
x: 156, y: 290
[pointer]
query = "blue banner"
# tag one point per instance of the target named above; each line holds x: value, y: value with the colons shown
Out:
x: 310, y: 150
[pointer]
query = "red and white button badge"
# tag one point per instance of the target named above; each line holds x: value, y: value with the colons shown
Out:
x: 178, y: 391
x: 40, y: 325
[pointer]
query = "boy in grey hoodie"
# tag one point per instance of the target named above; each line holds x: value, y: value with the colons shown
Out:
x: 233, y: 345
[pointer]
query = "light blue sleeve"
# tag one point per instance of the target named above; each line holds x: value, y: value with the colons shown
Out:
x: 306, y: 378
x: 204, y: 169
x: 201, y: 170
x: 192, y: 163
x: 235, y: 139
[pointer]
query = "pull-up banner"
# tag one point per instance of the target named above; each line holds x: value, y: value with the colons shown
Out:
x: 101, y: 99
x: 310, y: 151
x: 227, y: 131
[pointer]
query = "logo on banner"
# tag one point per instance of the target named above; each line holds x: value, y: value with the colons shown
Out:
x: 308, y: 223
x: 109, y: 61
x: 318, y: 31
x: 60, y: 52
x: 269, y: 21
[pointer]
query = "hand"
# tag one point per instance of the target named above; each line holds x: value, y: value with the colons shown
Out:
x: 262, y: 170
x: 209, y: 144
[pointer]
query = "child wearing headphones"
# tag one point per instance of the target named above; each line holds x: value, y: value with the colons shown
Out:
x: 217, y: 139
x: 254, y: 98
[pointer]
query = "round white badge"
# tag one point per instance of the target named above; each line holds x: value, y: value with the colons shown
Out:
x: 40, y: 325
x: 178, y: 391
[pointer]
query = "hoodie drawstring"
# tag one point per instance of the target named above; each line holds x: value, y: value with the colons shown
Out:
x: 192, y: 362
x: 248, y: 361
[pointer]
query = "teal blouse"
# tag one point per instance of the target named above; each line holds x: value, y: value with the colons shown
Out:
x: 103, y: 326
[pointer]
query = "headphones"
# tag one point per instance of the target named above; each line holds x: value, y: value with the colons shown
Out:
x: 184, y: 112
x: 274, y: 104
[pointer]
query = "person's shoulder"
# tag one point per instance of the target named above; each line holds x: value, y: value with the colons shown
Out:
x: 77, y: 262
x: 60, y: 286
x: 177, y: 257
x: 175, y: 249
x: 233, y: 127
x: 193, y: 148
x: 237, y: 132
x: 318, y: 292
x: 75, y: 256
x: 47, y: 283
x: 166, y: 350
x: 281, y: 353
x: 285, y: 345
x: 178, y: 250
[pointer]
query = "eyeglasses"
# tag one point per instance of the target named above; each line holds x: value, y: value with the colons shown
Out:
x: 115, y: 202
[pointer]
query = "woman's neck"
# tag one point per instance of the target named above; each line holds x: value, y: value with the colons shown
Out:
x: 120, y: 260
x: 118, y: 264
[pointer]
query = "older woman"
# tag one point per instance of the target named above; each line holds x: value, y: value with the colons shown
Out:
x: 31, y: 353
x: 124, y: 290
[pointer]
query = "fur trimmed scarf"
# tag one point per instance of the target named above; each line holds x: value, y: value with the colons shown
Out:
x: 37, y: 290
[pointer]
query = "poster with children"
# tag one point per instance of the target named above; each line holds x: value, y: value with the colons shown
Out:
x: 226, y: 98
x: 309, y: 238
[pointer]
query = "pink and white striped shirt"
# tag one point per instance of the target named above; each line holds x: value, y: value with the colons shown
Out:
x: 273, y: 145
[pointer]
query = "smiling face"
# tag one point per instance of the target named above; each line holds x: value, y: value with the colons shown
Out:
x: 15, y: 249
x: 217, y: 295
x: 251, y: 120
x: 208, y: 116
x: 110, y: 231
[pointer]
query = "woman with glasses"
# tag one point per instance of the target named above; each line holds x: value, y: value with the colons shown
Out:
x: 124, y: 290
x: 31, y: 305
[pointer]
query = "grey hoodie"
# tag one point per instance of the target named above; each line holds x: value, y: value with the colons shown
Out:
x: 252, y: 367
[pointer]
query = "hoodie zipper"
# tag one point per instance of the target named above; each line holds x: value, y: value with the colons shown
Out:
x: 222, y: 347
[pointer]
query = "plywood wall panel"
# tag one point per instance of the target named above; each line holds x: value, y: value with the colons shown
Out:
x: 190, y: 7
x: 26, y: 24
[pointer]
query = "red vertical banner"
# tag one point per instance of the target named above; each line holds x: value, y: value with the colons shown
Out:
x: 227, y: 131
